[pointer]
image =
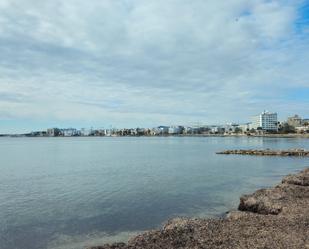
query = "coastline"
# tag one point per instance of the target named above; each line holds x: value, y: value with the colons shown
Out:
x: 292, y: 135
x: 276, y: 217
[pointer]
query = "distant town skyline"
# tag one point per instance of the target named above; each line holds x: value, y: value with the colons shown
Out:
x: 132, y: 63
x: 265, y: 120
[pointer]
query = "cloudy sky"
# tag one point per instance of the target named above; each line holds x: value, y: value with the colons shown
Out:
x: 129, y: 63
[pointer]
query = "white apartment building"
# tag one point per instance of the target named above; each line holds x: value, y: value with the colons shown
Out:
x: 69, y: 132
x: 267, y: 121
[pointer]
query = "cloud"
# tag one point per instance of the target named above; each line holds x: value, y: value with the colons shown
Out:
x: 135, y: 63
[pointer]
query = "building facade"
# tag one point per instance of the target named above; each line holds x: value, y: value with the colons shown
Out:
x: 53, y: 132
x: 305, y: 121
x: 295, y: 121
x: 266, y: 121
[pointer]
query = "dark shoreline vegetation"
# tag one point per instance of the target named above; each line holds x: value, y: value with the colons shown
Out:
x: 276, y: 217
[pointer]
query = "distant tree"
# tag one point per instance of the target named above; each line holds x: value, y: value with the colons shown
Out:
x: 286, y: 128
x: 238, y: 130
x: 57, y: 132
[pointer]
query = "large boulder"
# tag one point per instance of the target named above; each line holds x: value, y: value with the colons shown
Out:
x: 259, y: 204
x: 263, y: 201
x: 301, y: 179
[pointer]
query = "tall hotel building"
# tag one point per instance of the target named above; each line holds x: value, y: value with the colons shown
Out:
x: 267, y: 121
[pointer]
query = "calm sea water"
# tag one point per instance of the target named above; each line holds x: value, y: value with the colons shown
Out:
x: 73, y: 192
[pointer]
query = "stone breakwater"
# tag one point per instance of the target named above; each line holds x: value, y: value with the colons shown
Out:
x: 273, y: 218
x: 267, y: 152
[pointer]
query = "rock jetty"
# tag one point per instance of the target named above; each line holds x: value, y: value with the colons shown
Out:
x: 268, y: 152
x: 271, y: 218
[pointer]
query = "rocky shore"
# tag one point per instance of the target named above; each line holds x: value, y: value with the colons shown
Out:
x: 271, y: 218
x: 267, y: 152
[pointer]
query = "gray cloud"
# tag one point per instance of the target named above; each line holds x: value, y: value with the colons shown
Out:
x: 134, y: 62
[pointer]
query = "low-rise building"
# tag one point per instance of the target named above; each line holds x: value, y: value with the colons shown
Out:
x: 69, y: 132
x: 217, y: 129
x: 163, y: 130
x: 231, y: 128
x: 53, y: 132
x: 302, y: 129
x: 85, y: 132
x: 175, y: 130
x: 305, y: 122
x: 295, y: 121
x: 245, y: 127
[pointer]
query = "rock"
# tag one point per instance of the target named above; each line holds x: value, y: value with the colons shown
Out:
x: 262, y: 202
x: 177, y: 223
x: 259, y: 205
x: 276, y: 218
x: 299, y: 179
x: 235, y: 215
x: 118, y: 245
x: 267, y: 152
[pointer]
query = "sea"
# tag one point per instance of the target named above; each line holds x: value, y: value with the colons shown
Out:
x: 73, y: 192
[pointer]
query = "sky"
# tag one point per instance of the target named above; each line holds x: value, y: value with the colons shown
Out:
x: 144, y: 63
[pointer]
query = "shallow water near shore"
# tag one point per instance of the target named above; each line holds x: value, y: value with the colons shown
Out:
x: 72, y: 192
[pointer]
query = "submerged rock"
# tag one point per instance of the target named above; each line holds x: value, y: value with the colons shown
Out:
x: 274, y: 218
